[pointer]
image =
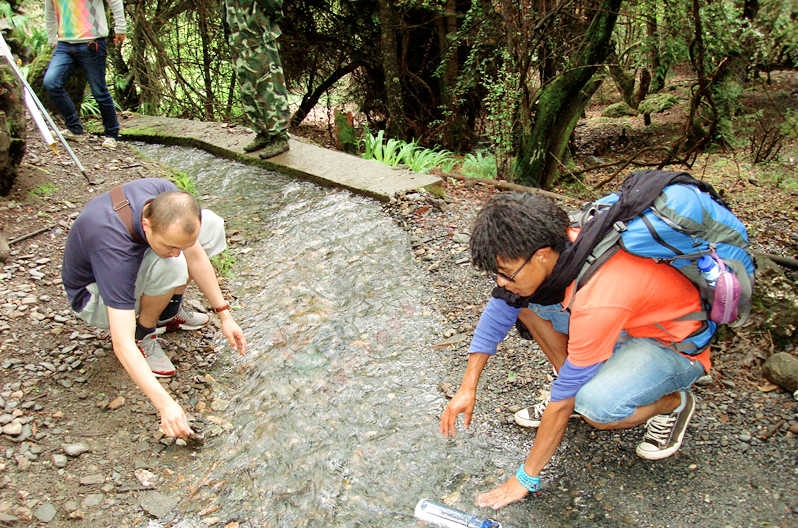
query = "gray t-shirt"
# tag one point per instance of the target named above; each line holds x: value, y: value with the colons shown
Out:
x: 100, y: 249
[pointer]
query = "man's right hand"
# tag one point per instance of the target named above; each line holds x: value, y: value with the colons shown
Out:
x: 462, y: 402
x: 173, y: 421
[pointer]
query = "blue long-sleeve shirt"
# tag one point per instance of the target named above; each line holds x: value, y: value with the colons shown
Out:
x: 496, y: 320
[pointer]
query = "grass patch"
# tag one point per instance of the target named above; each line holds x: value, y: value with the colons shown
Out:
x: 43, y: 191
x: 223, y: 263
x: 184, y: 181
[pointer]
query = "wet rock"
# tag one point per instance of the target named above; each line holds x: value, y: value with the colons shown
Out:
x: 219, y: 404
x: 782, y: 369
x: 45, y: 513
x: 157, y: 504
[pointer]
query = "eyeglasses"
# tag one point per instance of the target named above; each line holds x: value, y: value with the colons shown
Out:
x: 511, y: 277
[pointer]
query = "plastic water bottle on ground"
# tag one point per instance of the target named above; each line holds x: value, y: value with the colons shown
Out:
x: 710, y: 269
x: 439, y: 514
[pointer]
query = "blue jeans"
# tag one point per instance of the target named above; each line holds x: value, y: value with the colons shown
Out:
x: 639, y: 372
x: 90, y: 56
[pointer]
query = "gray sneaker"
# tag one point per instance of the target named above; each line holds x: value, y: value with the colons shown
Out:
x: 159, y: 363
x: 183, y: 320
x: 665, y: 432
x: 530, y: 416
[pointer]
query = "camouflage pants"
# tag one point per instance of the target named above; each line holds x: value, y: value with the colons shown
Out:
x: 253, y: 42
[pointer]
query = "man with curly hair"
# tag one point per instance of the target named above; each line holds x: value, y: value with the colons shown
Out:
x: 614, y: 341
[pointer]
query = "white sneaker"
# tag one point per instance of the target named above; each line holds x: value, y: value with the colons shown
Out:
x: 183, y: 320
x: 109, y: 143
x: 665, y: 432
x: 530, y: 416
x: 159, y: 363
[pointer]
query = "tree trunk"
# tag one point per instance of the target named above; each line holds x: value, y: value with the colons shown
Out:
x: 12, y: 128
x: 561, y: 103
x: 390, y: 65
x: 206, y: 61
x: 310, y: 98
x: 125, y: 94
x: 457, y: 132
x: 654, y: 62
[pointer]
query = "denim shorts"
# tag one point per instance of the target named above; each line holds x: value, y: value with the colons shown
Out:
x: 639, y: 372
x: 156, y: 275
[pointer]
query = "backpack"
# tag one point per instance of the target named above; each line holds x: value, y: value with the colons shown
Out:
x: 674, y: 218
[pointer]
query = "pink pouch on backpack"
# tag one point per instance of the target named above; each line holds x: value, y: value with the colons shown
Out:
x: 727, y: 296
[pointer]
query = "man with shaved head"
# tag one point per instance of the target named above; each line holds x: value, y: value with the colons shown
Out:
x: 128, y: 258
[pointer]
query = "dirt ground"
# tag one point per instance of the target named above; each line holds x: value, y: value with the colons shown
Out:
x: 81, y: 445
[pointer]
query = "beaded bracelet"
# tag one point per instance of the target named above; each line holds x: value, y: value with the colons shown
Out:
x: 532, y: 484
x: 225, y: 306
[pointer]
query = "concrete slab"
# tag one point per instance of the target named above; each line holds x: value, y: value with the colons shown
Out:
x: 303, y: 160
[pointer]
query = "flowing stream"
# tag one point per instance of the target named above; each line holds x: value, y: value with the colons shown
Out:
x: 334, y: 420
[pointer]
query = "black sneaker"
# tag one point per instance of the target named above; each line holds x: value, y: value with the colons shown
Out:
x: 665, y: 432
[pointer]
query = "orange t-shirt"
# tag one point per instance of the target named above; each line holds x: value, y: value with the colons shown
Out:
x: 632, y: 294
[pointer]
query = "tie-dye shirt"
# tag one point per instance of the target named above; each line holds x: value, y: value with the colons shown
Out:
x: 81, y: 20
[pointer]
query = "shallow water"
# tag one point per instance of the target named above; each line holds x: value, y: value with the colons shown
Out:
x: 334, y: 420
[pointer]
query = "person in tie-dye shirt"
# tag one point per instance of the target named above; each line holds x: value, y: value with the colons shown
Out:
x: 79, y: 30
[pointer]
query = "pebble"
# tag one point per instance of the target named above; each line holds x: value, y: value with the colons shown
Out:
x: 92, y: 499
x: 146, y: 478
x: 76, y: 449
x: 45, y: 513
x: 157, y: 504
x: 13, y: 428
x: 92, y: 480
x: 59, y: 460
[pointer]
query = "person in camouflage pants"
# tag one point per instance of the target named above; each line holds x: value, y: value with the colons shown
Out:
x: 253, y: 42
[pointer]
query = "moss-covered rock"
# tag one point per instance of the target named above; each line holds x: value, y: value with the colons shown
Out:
x: 75, y: 86
x: 12, y: 128
x: 656, y: 103
x: 776, y: 299
x: 619, y: 110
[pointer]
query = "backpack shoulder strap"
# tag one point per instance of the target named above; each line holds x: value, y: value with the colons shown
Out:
x: 122, y: 208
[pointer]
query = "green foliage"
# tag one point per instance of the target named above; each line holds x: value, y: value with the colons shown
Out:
x: 422, y: 160
x: 223, y: 263
x: 776, y: 33
x: 90, y: 108
x: 396, y: 152
x: 26, y: 29
x: 345, y: 132
x: 184, y: 181
x: 479, y: 165
x: 44, y: 190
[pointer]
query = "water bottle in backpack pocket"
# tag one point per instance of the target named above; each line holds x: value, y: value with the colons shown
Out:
x: 726, y: 286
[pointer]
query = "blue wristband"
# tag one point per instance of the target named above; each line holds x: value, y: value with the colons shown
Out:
x: 530, y: 483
